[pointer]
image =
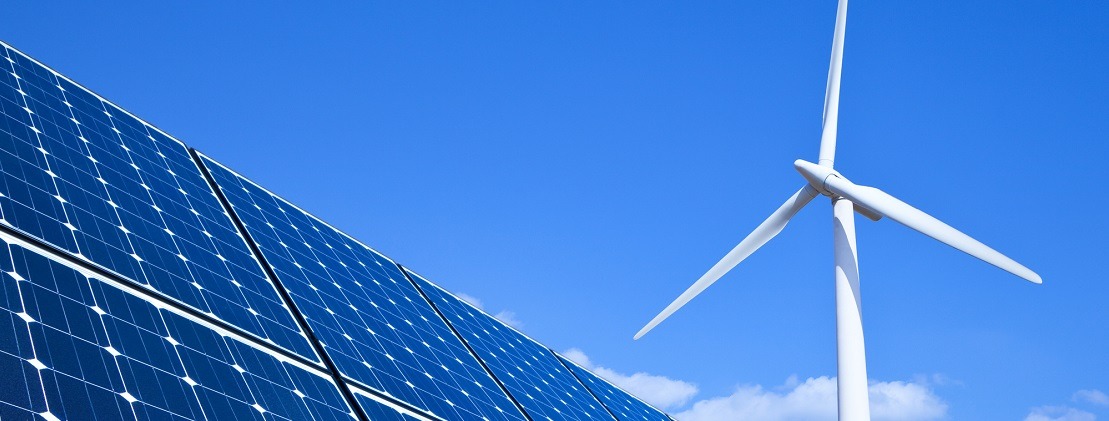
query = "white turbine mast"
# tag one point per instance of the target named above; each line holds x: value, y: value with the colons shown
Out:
x: 847, y: 197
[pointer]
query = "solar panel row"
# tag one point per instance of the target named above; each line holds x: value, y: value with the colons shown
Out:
x: 145, y: 280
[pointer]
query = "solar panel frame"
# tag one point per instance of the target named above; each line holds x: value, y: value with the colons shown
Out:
x: 538, y: 408
x: 360, y: 366
x: 204, y: 240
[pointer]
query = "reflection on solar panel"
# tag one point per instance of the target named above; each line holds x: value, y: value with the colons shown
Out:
x: 545, y: 388
x: 622, y: 404
x: 86, y: 349
x: 90, y: 179
x: 140, y: 279
x: 376, y: 326
x: 378, y: 411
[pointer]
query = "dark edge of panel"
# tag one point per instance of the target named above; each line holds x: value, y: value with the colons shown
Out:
x: 583, y: 384
x: 147, y: 294
x: 462, y: 339
x: 288, y: 300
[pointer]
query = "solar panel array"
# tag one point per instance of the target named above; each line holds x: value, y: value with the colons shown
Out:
x: 142, y: 279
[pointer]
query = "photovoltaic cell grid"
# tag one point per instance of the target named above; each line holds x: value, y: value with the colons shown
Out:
x: 530, y: 371
x: 88, y: 178
x: 375, y: 325
x: 622, y: 404
x: 76, y: 347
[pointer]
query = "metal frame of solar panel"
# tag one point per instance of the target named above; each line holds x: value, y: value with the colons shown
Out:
x: 143, y: 279
x: 378, y: 329
x: 529, y: 370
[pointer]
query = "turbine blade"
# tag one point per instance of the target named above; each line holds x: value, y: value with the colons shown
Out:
x: 893, y: 208
x: 761, y: 235
x: 831, y: 92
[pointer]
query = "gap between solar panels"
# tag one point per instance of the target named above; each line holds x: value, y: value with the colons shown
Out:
x: 333, y: 371
x: 404, y: 271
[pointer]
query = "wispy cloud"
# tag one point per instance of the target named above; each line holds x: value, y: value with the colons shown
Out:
x: 660, y: 391
x: 1092, y: 396
x: 815, y: 399
x: 1059, y: 413
x: 509, y: 318
x: 506, y: 316
x: 470, y: 299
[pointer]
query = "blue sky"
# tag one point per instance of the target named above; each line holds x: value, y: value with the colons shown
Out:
x: 579, y: 165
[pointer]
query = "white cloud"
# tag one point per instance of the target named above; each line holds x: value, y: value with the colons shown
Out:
x: 506, y: 316
x: 509, y: 318
x: 1093, y: 396
x: 660, y: 391
x: 815, y: 399
x: 470, y: 299
x: 1059, y: 413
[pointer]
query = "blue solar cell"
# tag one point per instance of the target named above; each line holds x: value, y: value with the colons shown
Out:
x: 90, y: 179
x: 76, y: 347
x: 374, y: 324
x: 530, y: 371
x: 620, y: 403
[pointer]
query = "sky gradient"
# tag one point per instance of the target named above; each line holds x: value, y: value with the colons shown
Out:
x: 576, y: 166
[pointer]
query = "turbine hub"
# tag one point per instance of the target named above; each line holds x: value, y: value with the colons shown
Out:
x: 817, y: 175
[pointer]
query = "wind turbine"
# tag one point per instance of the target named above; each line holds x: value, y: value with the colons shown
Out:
x: 847, y: 197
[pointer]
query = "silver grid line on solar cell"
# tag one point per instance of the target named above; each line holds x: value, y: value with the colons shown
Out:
x: 410, y: 370
x: 300, y: 344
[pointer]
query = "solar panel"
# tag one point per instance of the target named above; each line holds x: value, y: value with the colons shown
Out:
x: 372, y: 321
x: 530, y: 371
x: 90, y: 179
x: 73, y: 346
x: 622, y: 404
